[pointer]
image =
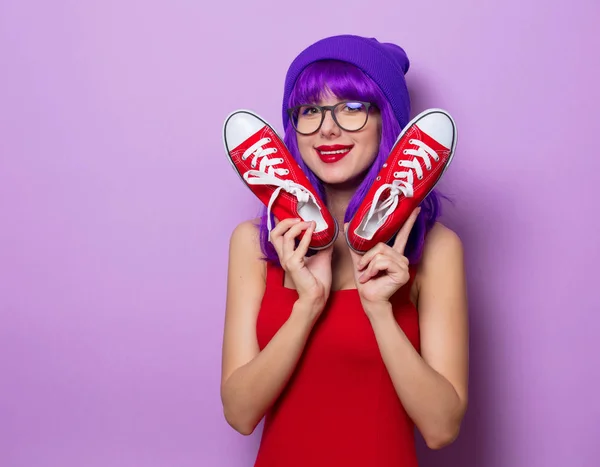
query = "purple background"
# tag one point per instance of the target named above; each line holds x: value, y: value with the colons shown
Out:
x: 117, y: 202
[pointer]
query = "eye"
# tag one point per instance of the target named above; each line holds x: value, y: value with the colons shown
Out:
x: 354, y: 107
x: 308, y: 110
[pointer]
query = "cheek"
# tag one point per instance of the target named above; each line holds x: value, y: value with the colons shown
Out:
x: 371, y: 144
x: 305, y: 149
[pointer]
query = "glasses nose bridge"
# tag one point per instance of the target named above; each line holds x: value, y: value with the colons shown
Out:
x: 331, y: 108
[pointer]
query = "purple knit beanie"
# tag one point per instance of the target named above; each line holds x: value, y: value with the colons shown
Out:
x: 385, y: 63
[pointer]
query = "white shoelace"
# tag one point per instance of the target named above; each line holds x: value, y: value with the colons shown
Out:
x: 404, y: 183
x: 267, y: 174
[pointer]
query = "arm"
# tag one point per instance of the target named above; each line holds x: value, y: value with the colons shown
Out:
x: 251, y: 380
x: 432, y: 386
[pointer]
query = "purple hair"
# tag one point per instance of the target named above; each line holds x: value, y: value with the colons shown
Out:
x: 346, y: 81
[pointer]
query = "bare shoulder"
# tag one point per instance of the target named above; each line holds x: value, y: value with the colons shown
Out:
x: 442, y: 245
x: 442, y: 252
x: 244, y: 243
x: 442, y: 239
x: 246, y: 230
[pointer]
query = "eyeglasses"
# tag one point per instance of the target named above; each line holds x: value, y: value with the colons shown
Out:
x: 348, y: 115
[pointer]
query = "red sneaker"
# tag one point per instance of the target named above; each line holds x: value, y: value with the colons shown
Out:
x: 279, y: 182
x: 420, y: 156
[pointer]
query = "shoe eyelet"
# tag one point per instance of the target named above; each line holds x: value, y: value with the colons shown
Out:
x: 274, y: 150
x: 384, y: 165
x: 420, y: 178
x: 396, y: 174
x: 404, y: 152
x: 411, y: 141
x: 378, y: 178
x: 268, y: 140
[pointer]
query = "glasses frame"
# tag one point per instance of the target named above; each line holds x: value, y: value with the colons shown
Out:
x: 323, y: 109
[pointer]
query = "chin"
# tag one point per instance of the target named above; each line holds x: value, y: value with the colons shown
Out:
x: 343, y: 173
x: 341, y: 180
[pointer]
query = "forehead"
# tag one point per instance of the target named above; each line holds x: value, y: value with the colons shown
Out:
x: 328, y: 98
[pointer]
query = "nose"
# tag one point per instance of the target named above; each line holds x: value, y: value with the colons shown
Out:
x: 329, y: 127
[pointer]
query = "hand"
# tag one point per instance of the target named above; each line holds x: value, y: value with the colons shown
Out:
x: 382, y: 270
x: 311, y: 276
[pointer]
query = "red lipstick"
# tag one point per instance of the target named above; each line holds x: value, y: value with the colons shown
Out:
x: 333, y: 153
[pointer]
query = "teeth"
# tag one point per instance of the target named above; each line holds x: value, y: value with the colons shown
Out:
x: 339, y: 151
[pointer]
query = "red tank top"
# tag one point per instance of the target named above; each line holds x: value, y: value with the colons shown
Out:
x: 340, y: 407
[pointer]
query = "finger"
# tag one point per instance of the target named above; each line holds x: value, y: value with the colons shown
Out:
x: 402, y: 237
x: 277, y: 245
x: 302, y: 248
x: 288, y: 241
x: 388, y: 265
x: 379, y: 264
x: 276, y: 234
x: 368, y: 256
x: 279, y: 232
x: 283, y: 227
x: 372, y: 264
x: 380, y: 248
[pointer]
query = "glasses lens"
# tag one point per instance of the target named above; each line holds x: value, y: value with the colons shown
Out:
x: 306, y: 119
x: 351, y: 116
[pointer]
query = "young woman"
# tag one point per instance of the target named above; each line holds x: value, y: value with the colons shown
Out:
x: 345, y: 353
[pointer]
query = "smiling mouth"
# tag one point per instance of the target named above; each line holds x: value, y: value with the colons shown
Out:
x: 331, y: 154
x: 338, y: 151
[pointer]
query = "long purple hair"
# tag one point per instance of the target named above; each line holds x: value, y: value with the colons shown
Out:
x: 346, y: 81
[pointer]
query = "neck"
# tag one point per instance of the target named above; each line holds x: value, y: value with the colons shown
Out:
x: 338, y: 199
